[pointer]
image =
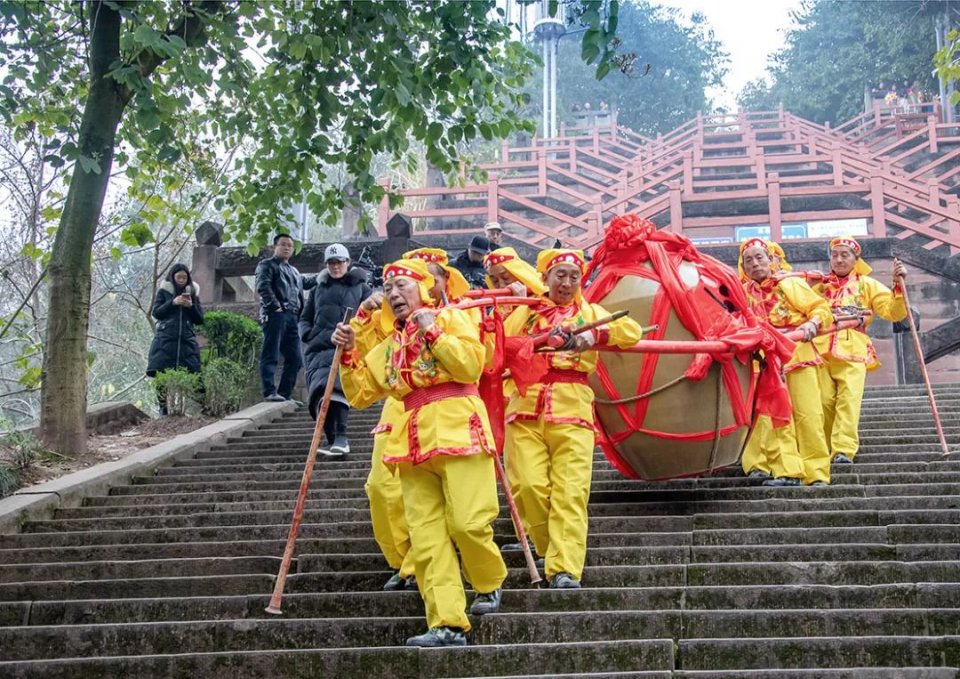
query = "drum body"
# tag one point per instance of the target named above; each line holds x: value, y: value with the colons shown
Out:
x: 655, y: 423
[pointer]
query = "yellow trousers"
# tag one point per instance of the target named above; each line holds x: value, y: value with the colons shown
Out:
x: 386, y: 502
x: 550, y: 467
x: 773, y: 450
x: 841, y: 391
x: 809, y: 438
x: 452, y: 500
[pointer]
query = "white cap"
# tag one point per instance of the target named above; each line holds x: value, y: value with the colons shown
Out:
x: 335, y: 251
x: 490, y: 226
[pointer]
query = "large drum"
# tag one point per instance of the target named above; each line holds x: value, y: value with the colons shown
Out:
x: 666, y: 416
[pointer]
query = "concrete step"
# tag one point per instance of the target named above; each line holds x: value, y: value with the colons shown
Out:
x: 733, y: 655
x: 394, y: 662
x: 374, y: 604
x: 70, y: 641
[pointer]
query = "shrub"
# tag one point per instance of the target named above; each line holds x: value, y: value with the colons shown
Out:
x: 9, y: 479
x: 224, y: 383
x: 24, y: 447
x: 179, y: 386
x: 232, y: 336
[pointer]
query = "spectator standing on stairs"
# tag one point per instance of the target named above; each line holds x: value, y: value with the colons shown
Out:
x: 470, y: 262
x: 441, y: 444
x: 849, y: 354
x: 177, y: 310
x: 280, y: 287
x: 494, y: 233
x: 339, y: 287
x: 796, y: 452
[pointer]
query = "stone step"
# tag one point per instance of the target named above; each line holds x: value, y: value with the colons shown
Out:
x: 143, y: 568
x: 71, y: 641
x: 733, y: 655
x: 383, y: 604
x: 394, y: 662
x: 844, y: 673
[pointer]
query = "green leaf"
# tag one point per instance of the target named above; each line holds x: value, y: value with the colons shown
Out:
x: 116, y: 253
x: 32, y: 251
x: 89, y: 165
x: 402, y: 93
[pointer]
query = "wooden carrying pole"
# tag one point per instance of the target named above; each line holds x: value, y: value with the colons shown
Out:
x: 923, y: 369
x: 532, y: 569
x: 274, y: 607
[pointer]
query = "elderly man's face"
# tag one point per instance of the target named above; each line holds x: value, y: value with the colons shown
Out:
x: 403, y: 296
x: 842, y: 260
x: 500, y: 277
x: 563, y: 280
x: 756, y: 263
x: 440, y: 278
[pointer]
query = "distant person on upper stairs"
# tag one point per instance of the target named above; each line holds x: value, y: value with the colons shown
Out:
x: 797, y: 452
x: 177, y: 310
x: 849, y: 354
x: 494, y: 234
x: 340, y: 286
x: 470, y: 262
x: 280, y: 287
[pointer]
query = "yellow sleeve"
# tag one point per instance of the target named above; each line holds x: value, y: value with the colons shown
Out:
x: 458, y: 348
x: 358, y: 377
x: 624, y: 332
x: 801, y: 297
x: 513, y: 324
x: 885, y: 303
x: 368, y: 330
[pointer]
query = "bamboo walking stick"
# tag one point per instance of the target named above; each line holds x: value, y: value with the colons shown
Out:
x: 532, y: 569
x: 274, y: 607
x: 923, y: 369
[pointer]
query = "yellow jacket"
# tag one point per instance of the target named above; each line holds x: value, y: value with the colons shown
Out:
x: 407, y: 363
x: 788, y: 302
x: 562, y: 402
x: 866, y: 293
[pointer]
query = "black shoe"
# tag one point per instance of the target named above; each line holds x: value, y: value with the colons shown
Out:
x: 486, y: 603
x: 564, y: 581
x: 274, y: 398
x: 411, y: 583
x: 842, y: 458
x: 340, y: 446
x: 439, y: 636
x: 758, y: 474
x: 395, y: 583
x: 782, y: 481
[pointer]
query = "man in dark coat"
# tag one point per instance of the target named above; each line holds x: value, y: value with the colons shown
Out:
x: 177, y: 309
x: 280, y: 287
x: 339, y: 287
x: 470, y: 262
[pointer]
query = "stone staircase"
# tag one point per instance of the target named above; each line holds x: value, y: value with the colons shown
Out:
x: 707, y: 578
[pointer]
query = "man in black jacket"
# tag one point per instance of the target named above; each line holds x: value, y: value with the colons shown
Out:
x: 470, y: 262
x: 338, y: 288
x: 280, y: 287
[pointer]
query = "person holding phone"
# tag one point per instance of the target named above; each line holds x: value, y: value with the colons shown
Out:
x: 177, y: 310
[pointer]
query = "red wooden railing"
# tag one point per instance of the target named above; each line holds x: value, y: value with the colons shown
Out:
x: 567, y: 187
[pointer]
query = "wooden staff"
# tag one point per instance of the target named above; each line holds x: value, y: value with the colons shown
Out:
x: 923, y: 369
x: 532, y: 569
x: 274, y: 607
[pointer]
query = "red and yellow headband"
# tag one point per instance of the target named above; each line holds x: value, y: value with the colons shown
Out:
x: 498, y: 257
x: 429, y: 255
x: 848, y: 242
x: 754, y: 243
x: 547, y: 259
x: 397, y: 270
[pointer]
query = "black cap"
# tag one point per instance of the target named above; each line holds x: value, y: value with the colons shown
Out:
x: 480, y: 245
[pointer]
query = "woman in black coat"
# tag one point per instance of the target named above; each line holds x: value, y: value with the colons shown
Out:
x: 177, y: 309
x: 338, y: 288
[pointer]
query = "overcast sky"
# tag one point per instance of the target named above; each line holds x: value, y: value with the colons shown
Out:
x: 749, y: 30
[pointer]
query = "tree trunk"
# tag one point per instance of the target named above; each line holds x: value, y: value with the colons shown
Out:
x: 63, y: 402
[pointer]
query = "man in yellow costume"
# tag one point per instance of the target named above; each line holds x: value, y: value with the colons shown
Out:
x: 550, y: 429
x: 441, y: 444
x: 797, y: 452
x: 849, y: 354
x: 383, y: 490
x: 505, y: 269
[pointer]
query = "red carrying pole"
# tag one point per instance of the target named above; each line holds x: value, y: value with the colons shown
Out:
x: 275, y: 599
x: 923, y: 369
x: 532, y: 569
